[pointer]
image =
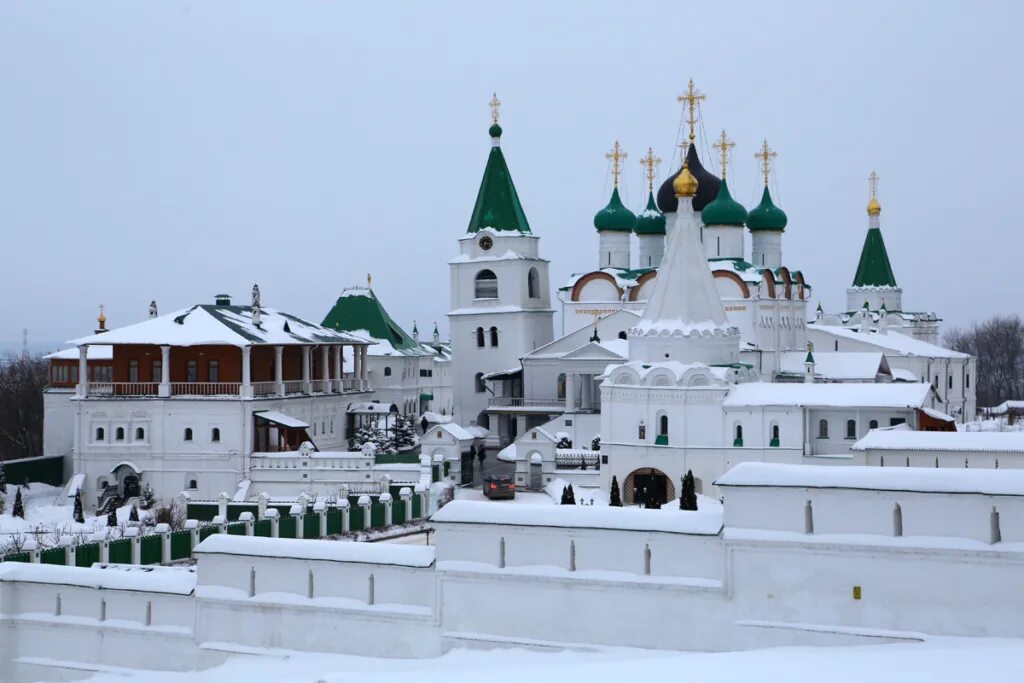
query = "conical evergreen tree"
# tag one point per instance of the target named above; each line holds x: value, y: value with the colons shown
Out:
x: 615, y: 497
x: 112, y: 516
x: 19, y: 505
x: 133, y: 516
x: 688, y: 496
x: 572, y: 496
x: 77, y: 513
x: 3, y: 478
x: 565, y: 495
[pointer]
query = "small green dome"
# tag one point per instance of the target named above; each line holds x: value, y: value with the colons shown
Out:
x: 766, y: 216
x: 650, y: 221
x: 724, y: 210
x: 494, y: 130
x: 615, y: 216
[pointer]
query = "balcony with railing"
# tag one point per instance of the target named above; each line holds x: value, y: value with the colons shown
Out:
x: 518, y: 402
x: 227, y: 390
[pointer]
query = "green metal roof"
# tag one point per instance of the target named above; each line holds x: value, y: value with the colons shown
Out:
x: 497, y: 203
x: 874, y: 269
x: 651, y: 221
x: 766, y: 216
x: 358, y: 309
x: 724, y: 210
x: 615, y: 216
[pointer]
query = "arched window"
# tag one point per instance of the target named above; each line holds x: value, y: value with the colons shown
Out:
x: 100, y: 434
x: 188, y: 433
x: 775, y: 437
x: 479, y: 383
x: 533, y: 284
x: 387, y: 370
x: 951, y: 381
x: 851, y: 429
x: 215, y: 435
x: 737, y: 439
x: 494, y: 336
x: 873, y: 424
x: 119, y: 434
x: 480, y: 337
x: 967, y: 381
x: 191, y: 481
x: 663, y: 425
x: 486, y: 286
x: 822, y: 429
x: 140, y: 434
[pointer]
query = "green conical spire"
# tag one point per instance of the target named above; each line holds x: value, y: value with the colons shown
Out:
x: 359, y: 310
x: 615, y: 216
x: 651, y: 221
x: 724, y: 210
x: 497, y: 203
x: 874, y: 269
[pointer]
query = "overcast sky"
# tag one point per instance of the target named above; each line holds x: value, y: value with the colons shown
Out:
x: 171, y: 151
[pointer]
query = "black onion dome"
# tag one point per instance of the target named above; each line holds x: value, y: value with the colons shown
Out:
x: 707, y: 186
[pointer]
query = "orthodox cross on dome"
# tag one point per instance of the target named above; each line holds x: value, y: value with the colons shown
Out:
x: 616, y: 155
x: 723, y: 146
x: 369, y: 281
x: 649, y: 161
x: 691, y: 99
x: 765, y: 156
x: 495, y: 108
x: 873, y: 182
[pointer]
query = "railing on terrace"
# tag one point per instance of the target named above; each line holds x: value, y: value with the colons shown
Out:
x: 126, y: 389
x: 205, y: 388
x: 352, y: 384
x: 291, y: 462
x: 264, y: 388
x: 577, y: 460
x: 294, y: 386
x: 520, y: 402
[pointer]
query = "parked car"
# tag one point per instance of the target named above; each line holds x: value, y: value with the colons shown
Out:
x: 499, y: 486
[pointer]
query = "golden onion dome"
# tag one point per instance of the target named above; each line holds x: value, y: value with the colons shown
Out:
x: 874, y: 208
x: 685, y: 184
x: 101, y: 318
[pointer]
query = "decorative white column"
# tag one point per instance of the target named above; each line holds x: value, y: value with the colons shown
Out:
x: 246, y: 372
x: 83, y: 370
x: 363, y: 370
x: 570, y: 392
x: 338, y: 387
x: 325, y: 374
x: 165, y: 371
x: 355, y: 368
x: 307, y: 387
x: 279, y: 370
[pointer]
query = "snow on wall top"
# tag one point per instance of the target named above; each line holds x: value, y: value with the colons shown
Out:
x: 705, y: 523
x: 918, y: 479
x: 177, y: 580
x: 828, y: 395
x: 833, y: 365
x: 332, y: 551
x: 230, y: 325
x: 905, y: 440
x: 95, y: 352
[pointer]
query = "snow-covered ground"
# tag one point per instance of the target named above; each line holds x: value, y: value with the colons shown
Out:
x: 938, y: 660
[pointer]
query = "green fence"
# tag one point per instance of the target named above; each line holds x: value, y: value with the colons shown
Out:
x: 121, y: 551
x: 85, y: 555
x: 417, y: 506
x: 181, y: 545
x: 151, y: 549
x: 355, y: 520
x: 398, y: 512
x: 377, y: 515
x: 18, y: 557
x: 202, y: 512
x: 286, y: 529
x: 47, y: 469
x: 207, y: 531
x: 311, y: 525
x: 53, y: 556
x: 333, y: 521
x: 396, y: 458
x: 236, y: 529
x: 262, y: 527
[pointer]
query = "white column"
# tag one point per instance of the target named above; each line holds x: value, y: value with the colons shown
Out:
x: 307, y: 387
x: 165, y: 371
x: 279, y: 370
x: 337, y: 369
x: 325, y: 374
x: 570, y: 392
x: 356, y: 365
x: 83, y: 370
x: 246, y: 372
x: 363, y: 370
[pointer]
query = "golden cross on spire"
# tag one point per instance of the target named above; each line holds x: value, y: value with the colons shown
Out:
x: 649, y: 161
x: 873, y: 182
x: 616, y: 155
x: 723, y: 146
x: 765, y: 156
x: 495, y: 108
x: 692, y: 97
x: 369, y: 281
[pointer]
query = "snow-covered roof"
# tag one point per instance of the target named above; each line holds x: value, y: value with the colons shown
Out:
x: 937, y: 414
x: 919, y: 479
x: 230, y: 325
x: 372, y: 408
x: 458, y: 431
x: 94, y: 352
x: 836, y: 366
x: 478, y: 432
x: 905, y: 440
x: 150, y: 579
x: 1005, y: 407
x: 828, y: 395
x: 304, y: 549
x: 904, y: 375
x: 677, y: 369
x: 502, y: 374
x: 890, y: 341
x: 708, y: 523
x: 281, y: 419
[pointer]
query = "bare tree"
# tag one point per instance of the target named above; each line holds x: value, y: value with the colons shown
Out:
x: 998, y: 343
x: 22, y: 381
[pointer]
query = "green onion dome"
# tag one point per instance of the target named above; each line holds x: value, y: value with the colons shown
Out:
x: 494, y: 130
x: 724, y: 210
x: 615, y: 216
x: 650, y: 221
x: 766, y: 216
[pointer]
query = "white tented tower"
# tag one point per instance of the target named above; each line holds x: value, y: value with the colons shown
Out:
x: 501, y: 301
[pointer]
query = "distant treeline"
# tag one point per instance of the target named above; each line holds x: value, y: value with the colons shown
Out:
x: 998, y: 344
x: 22, y: 381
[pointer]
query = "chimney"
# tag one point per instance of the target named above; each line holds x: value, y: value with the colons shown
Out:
x: 152, y: 309
x: 256, y: 305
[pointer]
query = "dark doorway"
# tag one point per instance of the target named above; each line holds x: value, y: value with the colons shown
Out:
x: 130, y: 487
x: 648, y: 485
